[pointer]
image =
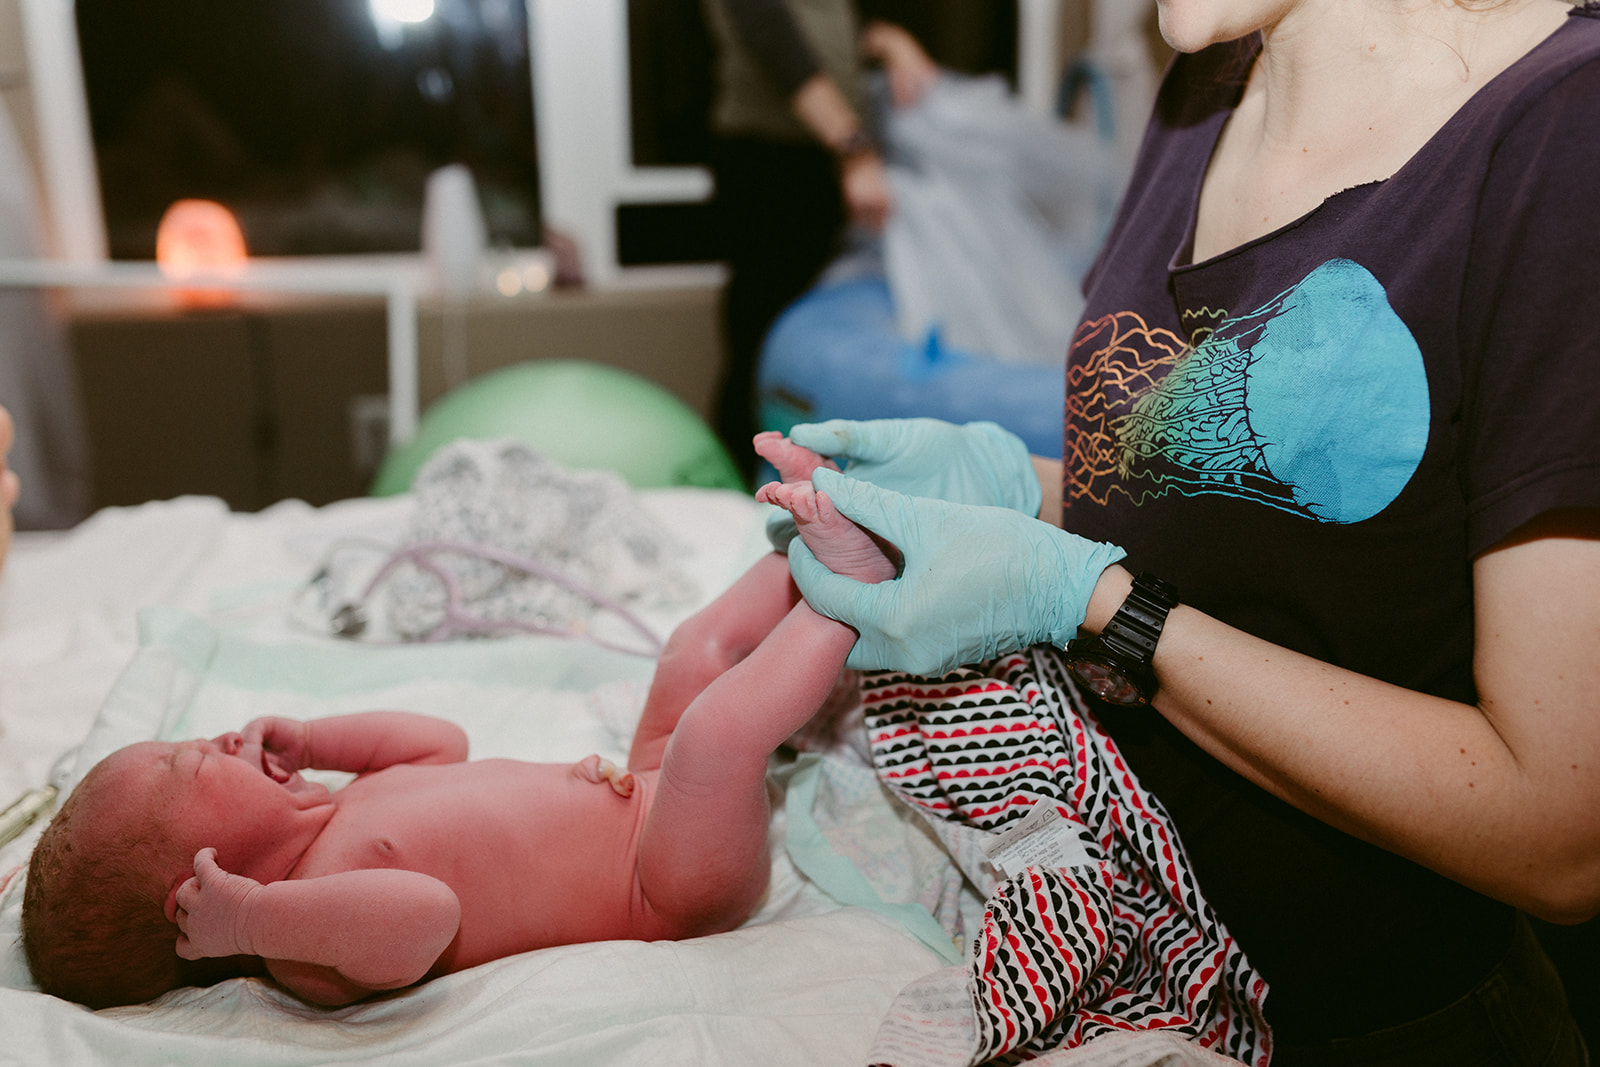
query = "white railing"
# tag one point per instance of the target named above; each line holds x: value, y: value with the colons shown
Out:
x: 397, y: 284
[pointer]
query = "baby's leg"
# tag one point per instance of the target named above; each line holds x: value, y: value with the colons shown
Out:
x: 839, y: 544
x: 707, y: 644
x: 703, y: 858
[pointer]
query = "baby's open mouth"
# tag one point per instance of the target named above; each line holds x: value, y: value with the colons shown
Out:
x: 273, y: 769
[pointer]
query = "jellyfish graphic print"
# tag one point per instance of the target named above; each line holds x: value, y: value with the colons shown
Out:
x: 1315, y: 404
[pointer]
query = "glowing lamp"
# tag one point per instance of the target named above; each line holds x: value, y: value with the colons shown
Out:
x: 199, y: 237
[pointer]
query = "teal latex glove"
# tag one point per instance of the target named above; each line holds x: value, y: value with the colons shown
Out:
x: 977, y: 581
x: 976, y: 463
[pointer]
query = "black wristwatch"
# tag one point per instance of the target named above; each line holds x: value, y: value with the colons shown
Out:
x: 1115, y: 665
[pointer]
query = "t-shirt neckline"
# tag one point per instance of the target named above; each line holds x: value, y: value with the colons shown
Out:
x: 1185, y: 249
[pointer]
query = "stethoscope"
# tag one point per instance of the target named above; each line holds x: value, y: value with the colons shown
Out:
x: 350, y: 620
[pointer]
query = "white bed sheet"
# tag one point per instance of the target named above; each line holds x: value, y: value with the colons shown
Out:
x: 806, y: 982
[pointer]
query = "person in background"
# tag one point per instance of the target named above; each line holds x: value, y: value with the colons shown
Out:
x: 1333, y: 400
x: 794, y: 161
x: 10, y: 486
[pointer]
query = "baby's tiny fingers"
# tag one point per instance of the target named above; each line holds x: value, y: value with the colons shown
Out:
x: 277, y: 769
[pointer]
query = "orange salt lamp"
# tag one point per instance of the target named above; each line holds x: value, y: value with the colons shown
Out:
x: 199, y: 237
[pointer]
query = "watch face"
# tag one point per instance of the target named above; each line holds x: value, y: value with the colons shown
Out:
x: 1106, y: 682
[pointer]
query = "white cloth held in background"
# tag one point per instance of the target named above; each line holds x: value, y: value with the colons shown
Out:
x: 997, y: 213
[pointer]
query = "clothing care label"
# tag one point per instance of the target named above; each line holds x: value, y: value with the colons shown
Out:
x: 1044, y: 838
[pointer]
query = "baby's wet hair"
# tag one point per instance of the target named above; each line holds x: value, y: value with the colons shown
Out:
x: 94, y: 929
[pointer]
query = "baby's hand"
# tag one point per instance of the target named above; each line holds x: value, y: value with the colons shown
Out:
x: 285, y: 744
x: 213, y: 910
x: 597, y: 770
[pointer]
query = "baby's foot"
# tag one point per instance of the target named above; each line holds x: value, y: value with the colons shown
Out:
x: 793, y: 462
x: 597, y: 769
x: 839, y: 544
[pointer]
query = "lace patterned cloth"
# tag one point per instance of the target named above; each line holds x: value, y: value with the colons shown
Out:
x: 587, y: 525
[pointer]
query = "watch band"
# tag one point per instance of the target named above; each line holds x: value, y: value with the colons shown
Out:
x: 1115, y: 664
x: 1136, y: 627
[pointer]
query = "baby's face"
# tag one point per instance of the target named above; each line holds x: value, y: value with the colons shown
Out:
x: 232, y: 757
x: 215, y: 792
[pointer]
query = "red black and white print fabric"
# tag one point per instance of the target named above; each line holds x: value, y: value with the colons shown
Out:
x: 1121, y: 939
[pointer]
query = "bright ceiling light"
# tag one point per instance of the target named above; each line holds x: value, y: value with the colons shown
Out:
x: 402, y: 10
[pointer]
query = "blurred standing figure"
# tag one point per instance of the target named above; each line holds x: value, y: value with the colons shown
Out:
x: 38, y: 381
x: 794, y: 161
x: 10, y: 486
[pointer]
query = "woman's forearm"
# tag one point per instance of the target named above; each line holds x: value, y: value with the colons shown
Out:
x: 1421, y: 776
x: 1503, y: 796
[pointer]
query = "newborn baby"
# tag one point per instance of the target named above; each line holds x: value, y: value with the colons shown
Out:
x: 177, y: 863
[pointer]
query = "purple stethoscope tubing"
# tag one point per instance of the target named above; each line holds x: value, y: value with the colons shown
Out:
x: 458, y: 622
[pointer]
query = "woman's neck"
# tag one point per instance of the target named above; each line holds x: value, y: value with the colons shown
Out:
x: 1345, y: 92
x: 1340, y: 74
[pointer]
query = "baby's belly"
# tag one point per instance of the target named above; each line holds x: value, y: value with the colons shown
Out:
x: 536, y: 856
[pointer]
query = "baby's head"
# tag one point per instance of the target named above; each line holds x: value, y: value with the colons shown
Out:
x: 93, y: 923
x: 95, y: 910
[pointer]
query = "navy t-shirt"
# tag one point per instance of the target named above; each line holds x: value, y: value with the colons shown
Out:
x: 1312, y: 435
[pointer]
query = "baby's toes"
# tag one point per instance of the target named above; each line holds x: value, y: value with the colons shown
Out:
x: 771, y: 446
x: 826, y: 514
x: 802, y: 502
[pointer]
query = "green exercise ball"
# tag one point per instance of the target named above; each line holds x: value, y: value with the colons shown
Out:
x: 587, y: 416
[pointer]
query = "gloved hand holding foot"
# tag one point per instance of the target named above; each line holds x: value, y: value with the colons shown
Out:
x: 977, y: 581
x: 975, y: 463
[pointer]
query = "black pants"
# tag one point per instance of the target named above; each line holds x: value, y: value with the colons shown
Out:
x: 781, y: 217
x: 1516, y: 1017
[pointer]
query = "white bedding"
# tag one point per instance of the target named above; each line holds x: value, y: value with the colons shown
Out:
x: 171, y: 620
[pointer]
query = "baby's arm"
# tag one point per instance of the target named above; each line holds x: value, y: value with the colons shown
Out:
x: 332, y: 939
x: 367, y: 741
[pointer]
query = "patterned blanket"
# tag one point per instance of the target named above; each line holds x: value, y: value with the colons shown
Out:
x: 1094, y: 923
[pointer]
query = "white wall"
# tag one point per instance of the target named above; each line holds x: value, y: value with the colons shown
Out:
x: 61, y: 119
